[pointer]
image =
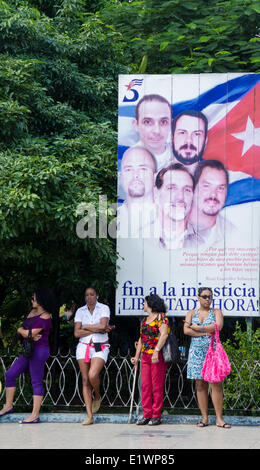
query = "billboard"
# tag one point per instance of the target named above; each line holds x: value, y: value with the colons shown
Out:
x: 188, y: 191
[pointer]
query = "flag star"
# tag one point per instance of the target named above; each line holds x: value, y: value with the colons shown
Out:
x: 250, y: 136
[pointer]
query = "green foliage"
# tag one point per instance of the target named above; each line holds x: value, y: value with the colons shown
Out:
x: 244, y: 346
x: 12, y: 315
x: 58, y: 146
x: 183, y: 36
x: 242, y: 386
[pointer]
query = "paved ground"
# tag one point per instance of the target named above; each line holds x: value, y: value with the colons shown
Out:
x: 109, y: 435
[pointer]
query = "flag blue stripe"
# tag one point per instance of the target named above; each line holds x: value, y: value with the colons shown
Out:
x: 120, y: 152
x: 127, y: 111
x: 242, y: 191
x: 232, y: 90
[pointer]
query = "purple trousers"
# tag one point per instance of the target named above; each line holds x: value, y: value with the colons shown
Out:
x: 36, y: 367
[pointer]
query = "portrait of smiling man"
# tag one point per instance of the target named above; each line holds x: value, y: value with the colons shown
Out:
x: 153, y: 124
x: 189, y: 137
x: 211, y: 188
x: 174, y: 196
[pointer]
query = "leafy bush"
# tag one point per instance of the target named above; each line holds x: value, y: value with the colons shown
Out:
x: 242, y: 386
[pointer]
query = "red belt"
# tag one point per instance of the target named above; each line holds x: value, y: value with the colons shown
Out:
x: 87, y: 358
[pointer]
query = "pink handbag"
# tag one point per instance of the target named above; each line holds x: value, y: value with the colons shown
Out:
x: 216, y: 364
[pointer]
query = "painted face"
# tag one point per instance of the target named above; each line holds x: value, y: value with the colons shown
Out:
x: 189, y: 139
x: 154, y: 125
x: 137, y: 173
x: 176, y: 194
x: 211, y: 191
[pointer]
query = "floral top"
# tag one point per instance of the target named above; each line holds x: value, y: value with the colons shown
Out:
x: 149, y: 333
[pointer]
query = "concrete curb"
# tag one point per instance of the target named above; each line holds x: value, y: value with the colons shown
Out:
x: 123, y: 419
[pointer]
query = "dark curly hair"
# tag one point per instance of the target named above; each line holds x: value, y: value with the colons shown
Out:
x: 156, y: 303
x: 91, y: 287
x: 46, y: 299
x: 201, y: 289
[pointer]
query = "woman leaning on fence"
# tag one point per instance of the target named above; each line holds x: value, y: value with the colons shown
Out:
x: 91, y: 327
x: 199, y: 324
x: 39, y: 323
x: 153, y: 335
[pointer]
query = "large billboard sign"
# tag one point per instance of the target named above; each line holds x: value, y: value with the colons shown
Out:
x: 189, y: 191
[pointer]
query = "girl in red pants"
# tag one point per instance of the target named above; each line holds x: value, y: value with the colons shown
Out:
x: 153, y: 335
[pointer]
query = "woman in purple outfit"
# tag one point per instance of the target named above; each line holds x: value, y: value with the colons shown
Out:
x: 39, y: 321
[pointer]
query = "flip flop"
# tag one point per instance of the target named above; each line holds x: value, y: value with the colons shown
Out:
x: 202, y: 425
x: 224, y: 426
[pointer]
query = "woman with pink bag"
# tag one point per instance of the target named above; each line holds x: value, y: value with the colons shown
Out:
x: 200, y: 325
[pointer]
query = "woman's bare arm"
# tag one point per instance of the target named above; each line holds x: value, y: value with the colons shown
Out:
x: 188, y: 327
x: 79, y: 332
x: 86, y: 330
x: 201, y: 330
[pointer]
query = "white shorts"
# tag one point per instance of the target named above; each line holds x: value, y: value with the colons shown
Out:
x: 81, y: 352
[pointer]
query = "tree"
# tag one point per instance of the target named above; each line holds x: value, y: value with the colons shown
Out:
x: 183, y: 36
x: 58, y: 100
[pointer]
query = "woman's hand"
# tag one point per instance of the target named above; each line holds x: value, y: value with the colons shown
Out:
x: 25, y: 333
x: 202, y: 330
x: 195, y: 327
x: 155, y: 357
x: 109, y: 328
x: 134, y: 360
x: 138, y: 347
x: 37, y: 337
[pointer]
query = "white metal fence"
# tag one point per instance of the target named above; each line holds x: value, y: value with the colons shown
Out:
x: 63, y: 385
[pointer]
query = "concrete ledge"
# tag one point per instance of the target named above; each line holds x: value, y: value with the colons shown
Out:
x: 123, y: 419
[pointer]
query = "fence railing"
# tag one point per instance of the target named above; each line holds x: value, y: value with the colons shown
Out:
x: 63, y: 386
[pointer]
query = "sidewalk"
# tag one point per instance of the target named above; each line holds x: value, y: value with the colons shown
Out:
x: 114, y: 432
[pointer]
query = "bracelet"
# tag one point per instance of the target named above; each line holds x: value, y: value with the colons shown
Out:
x: 202, y: 328
x: 157, y: 349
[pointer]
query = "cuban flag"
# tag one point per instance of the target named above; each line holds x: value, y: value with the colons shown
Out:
x: 233, y: 112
